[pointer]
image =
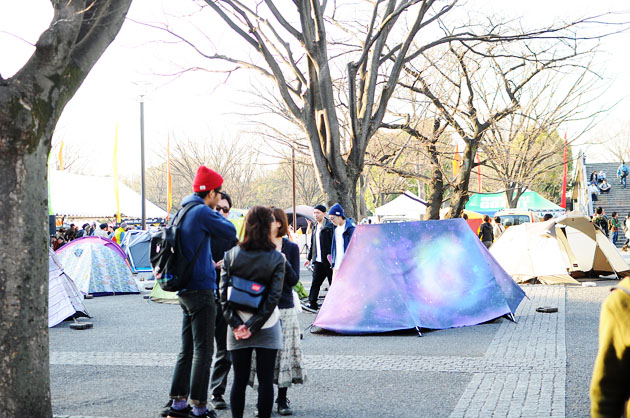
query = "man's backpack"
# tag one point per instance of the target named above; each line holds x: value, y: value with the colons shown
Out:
x: 624, y: 171
x: 171, y: 269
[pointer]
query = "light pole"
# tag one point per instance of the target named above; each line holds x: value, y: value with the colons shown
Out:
x: 144, y: 213
x: 293, y: 183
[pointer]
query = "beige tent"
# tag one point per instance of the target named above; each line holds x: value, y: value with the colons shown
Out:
x: 553, y: 251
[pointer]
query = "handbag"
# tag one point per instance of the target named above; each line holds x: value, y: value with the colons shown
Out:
x: 244, y: 294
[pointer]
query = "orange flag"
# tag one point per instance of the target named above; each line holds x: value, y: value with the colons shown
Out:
x: 61, y: 156
x: 457, y: 161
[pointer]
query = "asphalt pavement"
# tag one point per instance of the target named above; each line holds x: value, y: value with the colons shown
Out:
x: 123, y: 365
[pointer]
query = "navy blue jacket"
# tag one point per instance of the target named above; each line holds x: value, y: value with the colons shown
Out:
x: 347, y: 234
x: 291, y: 273
x: 202, y: 223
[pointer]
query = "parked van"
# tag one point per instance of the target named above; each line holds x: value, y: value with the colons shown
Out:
x: 511, y: 217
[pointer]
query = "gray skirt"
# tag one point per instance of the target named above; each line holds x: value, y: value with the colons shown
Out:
x: 289, y: 361
x: 270, y: 338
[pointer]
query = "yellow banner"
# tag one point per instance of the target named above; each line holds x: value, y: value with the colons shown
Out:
x: 61, y: 156
x: 115, y: 162
x: 457, y: 161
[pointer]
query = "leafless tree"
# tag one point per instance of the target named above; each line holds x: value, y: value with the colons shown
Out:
x: 31, y: 102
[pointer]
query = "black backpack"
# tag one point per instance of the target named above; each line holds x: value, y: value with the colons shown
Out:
x: 171, y: 269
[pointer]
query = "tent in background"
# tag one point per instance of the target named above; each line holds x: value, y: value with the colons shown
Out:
x: 162, y: 296
x: 490, y: 203
x: 430, y: 274
x: 530, y: 252
x: 98, y: 266
x: 553, y: 251
x: 64, y: 299
x: 407, y: 205
x: 136, y: 245
x: 303, y: 213
x: 76, y: 195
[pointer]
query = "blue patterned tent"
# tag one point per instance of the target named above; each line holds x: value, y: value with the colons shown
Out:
x: 98, y: 266
x: 430, y: 274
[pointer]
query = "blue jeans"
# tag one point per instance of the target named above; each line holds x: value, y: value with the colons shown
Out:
x: 192, y: 370
x: 614, y: 237
x: 623, y: 181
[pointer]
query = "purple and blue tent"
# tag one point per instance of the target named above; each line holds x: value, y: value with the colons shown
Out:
x: 429, y: 274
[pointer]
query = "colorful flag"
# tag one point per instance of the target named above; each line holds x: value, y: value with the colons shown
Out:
x: 457, y: 161
x: 563, y: 199
x: 169, y: 186
x: 115, y: 162
x: 61, y: 156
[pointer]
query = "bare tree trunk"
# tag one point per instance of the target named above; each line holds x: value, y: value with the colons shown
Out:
x: 30, y: 105
x: 24, y: 372
x: 436, y: 186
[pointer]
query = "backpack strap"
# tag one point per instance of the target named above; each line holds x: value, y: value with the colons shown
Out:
x: 176, y: 221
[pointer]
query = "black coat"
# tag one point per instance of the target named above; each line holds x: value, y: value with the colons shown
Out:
x: 291, y: 273
x: 325, y: 241
x: 264, y: 267
x: 485, y: 232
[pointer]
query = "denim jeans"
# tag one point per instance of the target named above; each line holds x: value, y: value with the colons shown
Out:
x: 223, y: 361
x: 623, y: 181
x: 192, y: 370
x: 614, y: 237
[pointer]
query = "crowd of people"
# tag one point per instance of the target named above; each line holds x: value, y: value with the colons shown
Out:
x: 598, y: 183
x: 256, y: 336
x: 66, y: 234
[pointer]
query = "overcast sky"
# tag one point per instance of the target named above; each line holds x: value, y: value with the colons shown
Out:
x: 200, y: 105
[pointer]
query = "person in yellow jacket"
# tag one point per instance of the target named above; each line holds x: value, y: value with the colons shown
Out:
x: 610, y: 387
x: 119, y: 233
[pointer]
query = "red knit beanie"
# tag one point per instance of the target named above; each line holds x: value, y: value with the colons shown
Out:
x: 206, y: 179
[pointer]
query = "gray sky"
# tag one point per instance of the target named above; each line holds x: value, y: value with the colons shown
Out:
x: 202, y: 105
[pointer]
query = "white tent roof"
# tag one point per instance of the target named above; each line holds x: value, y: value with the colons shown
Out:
x: 406, y: 205
x: 93, y: 197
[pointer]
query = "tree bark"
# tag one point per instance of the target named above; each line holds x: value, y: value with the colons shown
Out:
x: 436, y: 186
x: 30, y: 105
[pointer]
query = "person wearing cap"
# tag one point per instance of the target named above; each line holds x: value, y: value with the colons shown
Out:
x: 198, y: 228
x: 344, y: 228
x: 321, y: 240
x: 119, y: 233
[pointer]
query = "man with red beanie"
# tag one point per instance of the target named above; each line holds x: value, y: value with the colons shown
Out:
x: 198, y: 228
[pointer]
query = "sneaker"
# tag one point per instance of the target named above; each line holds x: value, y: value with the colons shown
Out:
x: 166, y: 408
x: 179, y: 413
x: 218, y: 402
x: 284, y: 407
x: 310, y: 308
x: 208, y: 414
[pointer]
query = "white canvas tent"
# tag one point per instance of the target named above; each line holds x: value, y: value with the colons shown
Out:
x: 407, y: 205
x: 93, y: 197
x: 553, y: 252
x: 64, y: 299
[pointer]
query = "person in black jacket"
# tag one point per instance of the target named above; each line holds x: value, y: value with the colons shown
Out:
x: 255, y: 259
x: 222, y: 363
x: 321, y: 244
x: 485, y: 232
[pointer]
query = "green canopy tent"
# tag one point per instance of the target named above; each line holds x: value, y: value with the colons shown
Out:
x: 490, y: 203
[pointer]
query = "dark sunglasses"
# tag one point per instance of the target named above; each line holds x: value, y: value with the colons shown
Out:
x: 223, y: 209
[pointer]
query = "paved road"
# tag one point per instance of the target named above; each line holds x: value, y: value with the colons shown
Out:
x: 539, y: 366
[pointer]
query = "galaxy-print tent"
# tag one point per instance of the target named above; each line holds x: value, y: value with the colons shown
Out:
x: 430, y: 274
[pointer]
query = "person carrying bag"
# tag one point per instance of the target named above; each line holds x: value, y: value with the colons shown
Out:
x: 252, y: 278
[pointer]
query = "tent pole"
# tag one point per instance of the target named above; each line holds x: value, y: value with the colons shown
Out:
x: 418, y: 331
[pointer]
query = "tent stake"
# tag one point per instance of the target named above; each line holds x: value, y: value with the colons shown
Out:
x: 418, y: 330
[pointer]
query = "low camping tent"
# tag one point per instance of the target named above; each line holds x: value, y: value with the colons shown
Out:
x: 98, y: 266
x: 303, y: 214
x: 162, y: 296
x: 556, y: 250
x: 136, y: 245
x: 407, y: 205
x: 430, y: 274
x: 490, y: 203
x: 64, y: 299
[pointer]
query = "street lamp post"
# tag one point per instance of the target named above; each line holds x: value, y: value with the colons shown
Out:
x: 293, y: 182
x: 144, y: 214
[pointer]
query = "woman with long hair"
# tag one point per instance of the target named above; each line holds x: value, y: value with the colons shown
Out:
x: 255, y: 260
x: 289, y: 361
